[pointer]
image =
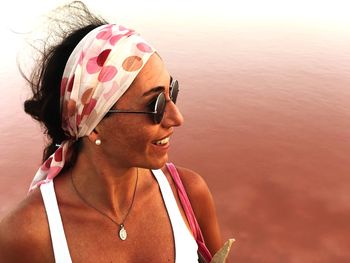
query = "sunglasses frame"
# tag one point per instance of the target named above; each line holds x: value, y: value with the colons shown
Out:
x: 157, y: 116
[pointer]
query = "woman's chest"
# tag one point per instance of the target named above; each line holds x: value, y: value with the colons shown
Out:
x: 94, y: 237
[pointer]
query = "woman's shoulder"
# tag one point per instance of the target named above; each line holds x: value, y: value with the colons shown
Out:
x: 195, y: 185
x: 24, y: 231
x: 197, y: 190
x: 193, y: 182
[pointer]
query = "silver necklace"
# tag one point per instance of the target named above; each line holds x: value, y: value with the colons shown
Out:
x: 122, y: 231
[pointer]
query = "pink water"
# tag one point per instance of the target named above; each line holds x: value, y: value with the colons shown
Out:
x: 267, y: 124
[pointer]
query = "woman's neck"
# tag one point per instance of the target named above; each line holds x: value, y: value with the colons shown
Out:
x: 110, y: 189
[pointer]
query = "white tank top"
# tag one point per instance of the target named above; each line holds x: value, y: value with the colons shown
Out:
x: 185, y: 245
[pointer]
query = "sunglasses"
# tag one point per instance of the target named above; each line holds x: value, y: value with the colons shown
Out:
x: 159, y: 103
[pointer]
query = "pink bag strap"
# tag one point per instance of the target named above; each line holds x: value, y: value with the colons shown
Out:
x: 186, y: 204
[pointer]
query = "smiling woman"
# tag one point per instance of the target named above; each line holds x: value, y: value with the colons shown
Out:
x: 105, y: 191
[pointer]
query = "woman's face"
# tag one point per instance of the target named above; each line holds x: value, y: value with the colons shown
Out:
x: 134, y: 139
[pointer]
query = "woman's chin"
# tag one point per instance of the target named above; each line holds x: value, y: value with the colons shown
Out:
x: 157, y: 163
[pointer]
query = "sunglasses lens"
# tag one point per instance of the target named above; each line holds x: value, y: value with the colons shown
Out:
x: 159, y: 108
x: 174, y: 90
x: 161, y: 101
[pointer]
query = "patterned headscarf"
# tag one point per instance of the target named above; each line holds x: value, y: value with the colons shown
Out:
x: 98, y: 72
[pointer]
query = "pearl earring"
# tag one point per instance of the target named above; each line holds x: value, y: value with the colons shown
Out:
x: 98, y: 142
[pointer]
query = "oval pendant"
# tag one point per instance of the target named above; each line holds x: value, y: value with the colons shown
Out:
x: 122, y: 232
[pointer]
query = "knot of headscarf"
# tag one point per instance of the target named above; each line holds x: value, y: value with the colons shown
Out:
x: 98, y: 72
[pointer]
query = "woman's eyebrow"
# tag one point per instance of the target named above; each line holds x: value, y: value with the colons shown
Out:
x: 157, y: 89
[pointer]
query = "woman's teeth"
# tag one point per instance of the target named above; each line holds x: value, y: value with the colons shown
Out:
x: 162, y: 142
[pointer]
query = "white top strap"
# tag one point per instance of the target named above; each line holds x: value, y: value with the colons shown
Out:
x: 58, y: 238
x: 185, y: 244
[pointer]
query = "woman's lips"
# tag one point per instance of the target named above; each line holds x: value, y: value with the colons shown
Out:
x: 162, y: 141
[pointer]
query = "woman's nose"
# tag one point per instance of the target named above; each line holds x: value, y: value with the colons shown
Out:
x: 172, y: 116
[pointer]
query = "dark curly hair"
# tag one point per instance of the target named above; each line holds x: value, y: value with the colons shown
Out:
x: 67, y: 26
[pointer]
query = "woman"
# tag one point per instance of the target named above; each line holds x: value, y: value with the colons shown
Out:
x: 105, y: 192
